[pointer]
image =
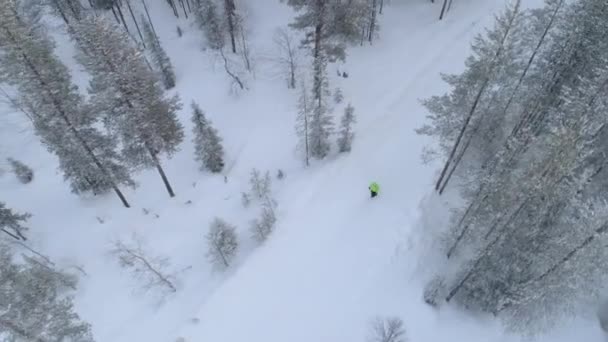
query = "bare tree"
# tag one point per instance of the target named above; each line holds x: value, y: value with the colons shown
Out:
x: 223, y: 244
x: 151, y: 270
x: 288, y: 58
x: 388, y: 329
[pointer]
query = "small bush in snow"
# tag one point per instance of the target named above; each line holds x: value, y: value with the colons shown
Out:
x: 222, y: 243
x: 23, y: 172
x: 280, y: 174
x: 389, y: 329
x: 180, y: 33
x: 260, y: 187
x: 261, y: 228
x: 149, y: 269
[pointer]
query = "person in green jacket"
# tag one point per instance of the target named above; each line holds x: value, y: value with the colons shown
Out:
x: 374, y: 188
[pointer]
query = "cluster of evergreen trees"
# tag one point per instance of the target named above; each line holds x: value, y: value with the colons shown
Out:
x: 524, y: 133
x: 126, y: 124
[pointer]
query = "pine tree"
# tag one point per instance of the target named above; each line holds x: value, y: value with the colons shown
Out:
x: 321, y: 123
x: 159, y: 56
x: 316, y: 21
x: 127, y: 92
x: 34, y: 303
x: 65, y: 126
x: 23, y: 172
x: 345, y: 140
x: 208, y: 20
x: 207, y: 143
x: 222, y: 242
x: 12, y: 223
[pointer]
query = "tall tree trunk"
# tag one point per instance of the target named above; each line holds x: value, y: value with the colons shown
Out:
x: 143, y: 42
x: 445, y: 4
x: 173, y: 7
x: 149, y: 19
x: 372, y: 24
x: 598, y: 232
x: 160, y: 170
x: 122, y: 17
x: 230, y: 8
x: 115, y: 15
x: 381, y: 6
x: 69, y: 124
x: 184, y: 8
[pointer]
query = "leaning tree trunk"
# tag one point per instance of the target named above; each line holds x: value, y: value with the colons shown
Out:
x: 482, y: 89
x: 160, y: 170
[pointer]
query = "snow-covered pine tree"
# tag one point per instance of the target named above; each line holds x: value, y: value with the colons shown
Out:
x: 321, y: 122
x: 208, y: 148
x: 65, y: 126
x: 222, y: 242
x: 475, y: 104
x: 208, y: 19
x: 346, y: 135
x: 11, y: 223
x: 36, y: 302
x: 321, y: 38
x: 128, y: 93
x: 23, y: 172
x: 159, y: 56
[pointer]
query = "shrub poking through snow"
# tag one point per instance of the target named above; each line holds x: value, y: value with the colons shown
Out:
x: 222, y: 242
x: 23, y: 172
x: 388, y: 329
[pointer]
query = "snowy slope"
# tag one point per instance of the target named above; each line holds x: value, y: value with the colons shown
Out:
x: 337, y: 258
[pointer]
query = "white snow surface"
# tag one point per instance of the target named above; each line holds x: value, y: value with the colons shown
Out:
x: 337, y: 258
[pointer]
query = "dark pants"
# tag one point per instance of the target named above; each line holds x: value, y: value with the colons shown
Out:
x: 374, y: 194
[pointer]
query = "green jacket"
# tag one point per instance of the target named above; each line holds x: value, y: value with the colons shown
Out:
x: 374, y: 187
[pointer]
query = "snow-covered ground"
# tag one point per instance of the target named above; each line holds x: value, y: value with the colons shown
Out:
x: 336, y: 260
